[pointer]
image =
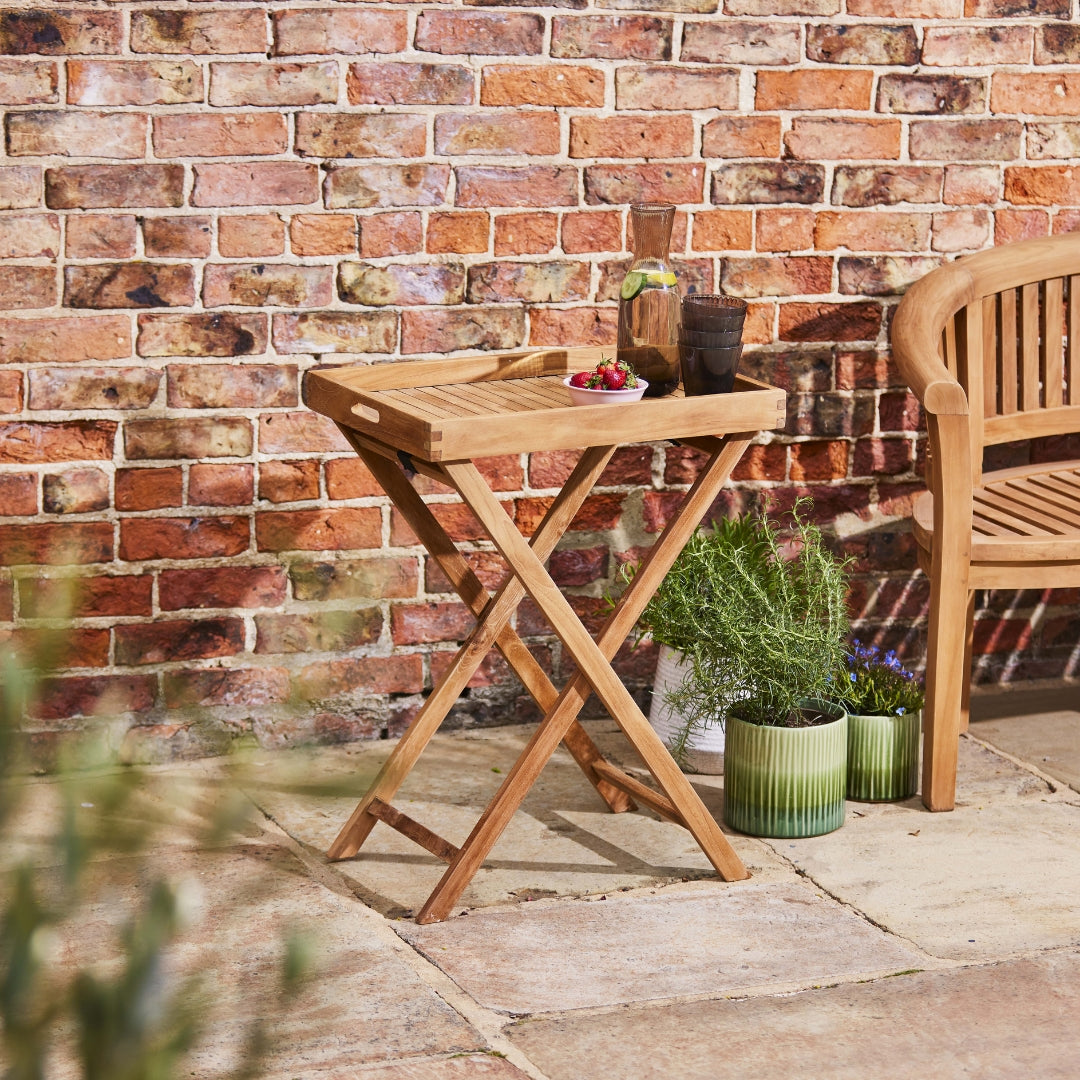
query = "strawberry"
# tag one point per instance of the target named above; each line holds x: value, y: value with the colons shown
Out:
x: 614, y: 378
x: 581, y: 379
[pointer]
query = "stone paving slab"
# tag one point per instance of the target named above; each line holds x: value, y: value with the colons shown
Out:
x: 699, y: 938
x: 999, y: 1022
x: 1050, y: 741
x: 459, y: 1067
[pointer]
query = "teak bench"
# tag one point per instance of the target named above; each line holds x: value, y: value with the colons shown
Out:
x: 436, y: 417
x: 990, y: 345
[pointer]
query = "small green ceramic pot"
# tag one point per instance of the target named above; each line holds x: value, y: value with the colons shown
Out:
x: 786, y: 782
x: 883, y: 756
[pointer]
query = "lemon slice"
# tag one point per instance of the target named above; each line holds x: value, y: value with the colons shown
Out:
x: 632, y: 284
x: 662, y: 277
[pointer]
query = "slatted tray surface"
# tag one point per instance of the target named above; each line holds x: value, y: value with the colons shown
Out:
x: 478, y: 406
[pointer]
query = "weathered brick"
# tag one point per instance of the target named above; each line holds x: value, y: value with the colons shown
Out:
x: 360, y: 579
x: 966, y: 185
x: 768, y: 182
x: 818, y: 461
x: 976, y: 46
x: 225, y: 333
x: 866, y: 369
x: 183, y: 538
x: 375, y: 286
x: 783, y: 229
x: 133, y: 82
x: 273, y: 84
x: 366, y: 674
x: 178, y: 639
x: 129, y: 285
x: 1058, y: 43
x: 961, y: 230
x: 1034, y: 93
x: 226, y: 686
x: 89, y: 187
x: 11, y: 393
x: 998, y: 9
x: 613, y: 37
x: 480, y: 32
x: 783, y: 7
x: 882, y: 275
x: 74, y: 491
x: 362, y: 186
x: 267, y: 285
x: 149, y: 489
x: 336, y: 332
x: 542, y: 84
x: 458, y: 233
x: 323, y: 234
x: 396, y: 233
x: 741, y: 136
x: 813, y: 88
x: 633, y: 137
x: 856, y: 43
x: 76, y: 134
x: 373, y: 83
x: 323, y: 631
x: 871, y: 230
x: 266, y: 183
x: 60, y: 544
x: 240, y: 386
x: 70, y: 440
x: 416, y: 624
x: 60, y: 33
x: 743, y: 43
x: 27, y: 82
x: 488, y: 566
x: 220, y: 135
x: 1013, y: 225
x: 543, y: 185
x: 177, y: 237
x: 794, y: 275
x: 338, y: 31
x: 934, y: 94
x: 441, y: 331
x: 192, y: 438
x: 221, y: 485
x: 586, y: 326
x: 200, y: 32
x: 350, y: 478
x: 338, y: 529
x: 19, y: 494
x: 591, y: 230
x: 251, y: 236
x: 535, y: 283
x: 829, y: 322
x: 496, y: 133
x: 841, y: 138
x: 882, y: 456
x: 61, y: 698
x: 886, y: 185
x: 671, y: 182
x: 298, y: 433
x: 670, y: 87
x: 1044, y: 184
x: 899, y: 412
x: 74, y: 389
x: 965, y: 140
x: 20, y: 187
x: 29, y: 236
x: 27, y: 286
x: 288, y: 481
x: 526, y: 234
x: 359, y: 135
x: 101, y: 236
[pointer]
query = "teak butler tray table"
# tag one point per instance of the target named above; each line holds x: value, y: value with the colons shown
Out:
x: 436, y: 417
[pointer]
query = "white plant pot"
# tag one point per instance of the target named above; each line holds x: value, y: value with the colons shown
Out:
x: 704, y: 748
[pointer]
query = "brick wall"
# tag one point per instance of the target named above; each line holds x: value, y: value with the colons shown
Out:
x: 201, y: 201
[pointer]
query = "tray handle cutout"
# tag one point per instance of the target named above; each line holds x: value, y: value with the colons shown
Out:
x: 366, y: 412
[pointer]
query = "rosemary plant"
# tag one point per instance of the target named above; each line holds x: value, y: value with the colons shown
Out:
x: 759, y: 610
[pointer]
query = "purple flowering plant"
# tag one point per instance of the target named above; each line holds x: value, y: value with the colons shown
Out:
x: 878, y: 685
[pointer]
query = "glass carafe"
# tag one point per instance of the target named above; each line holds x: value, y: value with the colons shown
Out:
x: 649, y: 304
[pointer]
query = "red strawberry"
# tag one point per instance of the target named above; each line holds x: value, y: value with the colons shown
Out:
x: 614, y: 379
x: 581, y: 379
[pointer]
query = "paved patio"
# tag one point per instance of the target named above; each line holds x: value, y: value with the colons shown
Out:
x: 599, y: 946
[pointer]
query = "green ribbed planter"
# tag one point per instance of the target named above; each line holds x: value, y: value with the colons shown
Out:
x: 883, y: 757
x: 786, y: 782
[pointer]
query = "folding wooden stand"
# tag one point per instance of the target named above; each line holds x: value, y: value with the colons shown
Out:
x: 436, y: 418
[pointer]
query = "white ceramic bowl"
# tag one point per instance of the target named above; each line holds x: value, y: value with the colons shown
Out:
x: 581, y: 395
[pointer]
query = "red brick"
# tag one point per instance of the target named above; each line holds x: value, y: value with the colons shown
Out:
x: 819, y: 461
x: 11, y: 392
x: 883, y: 275
x: 482, y: 33
x: 874, y: 185
x: 319, y: 530
x: 401, y: 283
x: 250, y: 236
x: 360, y: 579
x: 221, y: 485
x: 194, y: 438
x: 633, y: 137
x: 226, y: 686
x: 86, y: 597
x: 676, y: 183
x: 338, y: 31
x: 489, y: 567
x: 813, y: 88
x: 74, y: 440
x: 266, y: 183
x: 349, y: 478
x: 584, y: 326
x: 219, y: 386
x: 93, y: 695
x: 768, y: 182
x: 498, y: 133
x: 1013, y: 225
x: 61, y: 544
x: 966, y: 185
x: 670, y: 87
x: 225, y: 333
x: 336, y: 332
x: 29, y: 236
x: 273, y: 84
x: 220, y: 135
x: 1046, y: 184
x: 966, y: 140
x: 368, y: 674
x: 323, y: 631
x: 1056, y: 43
x: 961, y: 230
x: 871, y: 230
x: 426, y: 330
x: 288, y: 481
x: 876, y: 456
x: 975, y: 46
x: 101, y: 236
x: 149, y: 489
x: 178, y: 639
x: 89, y: 187
x: 812, y: 139
x: 27, y: 286
x: 534, y: 185
x: 830, y: 322
x: 391, y: 234
x: 613, y: 37
x: 741, y: 136
x: 133, y: 82
x: 548, y: 84
x: 591, y: 230
x: 20, y: 187
x: 373, y: 83
x: 177, y: 237
x: 746, y: 43
x: 74, y: 491
x: 199, y: 32
x: 129, y: 285
x: 762, y: 462
x: 59, y: 33
x: 598, y: 512
x: 458, y: 233
x: 723, y: 230
x: 18, y: 494
x: 222, y: 587
x: 792, y: 276
x: 899, y: 412
x: 1035, y: 93
x: 262, y: 285
x: 856, y: 43
x: 183, y: 538
x: 360, y: 135
x: 550, y: 281
x: 323, y: 234
x: 68, y: 648
x: 782, y: 229
x: 415, y: 624
x: 363, y: 186
x: 76, y: 134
